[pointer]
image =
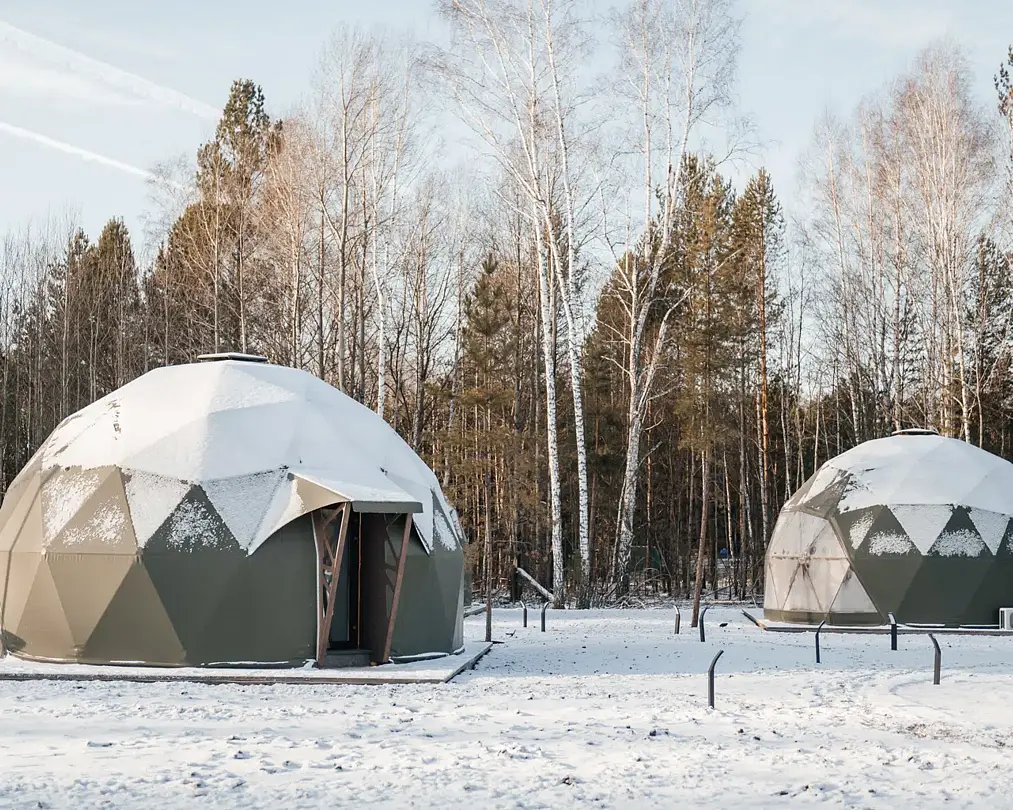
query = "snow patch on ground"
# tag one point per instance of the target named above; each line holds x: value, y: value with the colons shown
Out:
x: 605, y: 709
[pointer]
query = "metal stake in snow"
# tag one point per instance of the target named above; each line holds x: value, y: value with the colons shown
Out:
x: 678, y: 619
x: 938, y: 663
x: 702, y: 614
x: 710, y: 679
x: 893, y: 631
x: 524, y: 614
x: 545, y: 606
x: 818, y: 640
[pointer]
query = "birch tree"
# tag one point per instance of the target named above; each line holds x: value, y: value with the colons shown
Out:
x: 505, y: 73
x: 677, y: 63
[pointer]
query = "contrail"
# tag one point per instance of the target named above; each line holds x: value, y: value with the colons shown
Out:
x: 70, y: 149
x: 103, y: 72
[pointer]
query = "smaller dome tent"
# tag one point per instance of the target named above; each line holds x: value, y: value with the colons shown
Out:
x: 915, y: 524
x: 195, y: 515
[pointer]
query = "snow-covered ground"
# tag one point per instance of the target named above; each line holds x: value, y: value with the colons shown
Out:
x: 606, y: 709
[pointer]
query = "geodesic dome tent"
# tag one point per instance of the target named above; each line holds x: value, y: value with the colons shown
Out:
x: 227, y: 512
x: 915, y: 524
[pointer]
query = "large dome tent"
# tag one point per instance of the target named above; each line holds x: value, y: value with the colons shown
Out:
x: 195, y: 516
x: 915, y: 524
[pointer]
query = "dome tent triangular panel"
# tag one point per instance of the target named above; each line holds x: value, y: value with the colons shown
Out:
x: 225, y: 474
x: 991, y: 527
x: 923, y: 520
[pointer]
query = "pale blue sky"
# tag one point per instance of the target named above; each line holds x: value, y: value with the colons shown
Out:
x: 137, y: 81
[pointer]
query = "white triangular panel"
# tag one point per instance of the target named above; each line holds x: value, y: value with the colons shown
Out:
x: 992, y: 492
x: 770, y: 601
x: 923, y: 522
x: 151, y: 499
x: 826, y: 577
x: 991, y: 526
x: 824, y: 478
x: 826, y: 544
x: 801, y: 595
x: 242, y: 502
x: 852, y: 597
x: 781, y: 574
x: 64, y: 494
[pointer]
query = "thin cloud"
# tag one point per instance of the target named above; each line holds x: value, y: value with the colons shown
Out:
x: 101, y: 72
x: 70, y: 149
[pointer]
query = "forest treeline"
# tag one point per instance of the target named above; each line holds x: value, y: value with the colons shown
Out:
x: 619, y: 361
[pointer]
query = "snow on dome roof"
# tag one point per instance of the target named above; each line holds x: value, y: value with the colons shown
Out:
x: 917, y: 468
x: 269, y: 442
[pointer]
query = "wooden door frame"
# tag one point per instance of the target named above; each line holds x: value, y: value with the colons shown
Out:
x: 329, y: 562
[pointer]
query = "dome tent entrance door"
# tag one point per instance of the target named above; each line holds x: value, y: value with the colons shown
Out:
x: 359, y: 577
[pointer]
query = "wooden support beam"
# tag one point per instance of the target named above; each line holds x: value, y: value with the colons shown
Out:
x: 397, y: 588
x: 332, y: 588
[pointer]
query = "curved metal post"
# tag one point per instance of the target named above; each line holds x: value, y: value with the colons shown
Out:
x: 710, y: 679
x: 818, y: 640
x: 938, y: 663
x: 678, y: 619
x: 545, y: 607
x: 893, y: 631
x: 524, y: 614
x: 702, y: 614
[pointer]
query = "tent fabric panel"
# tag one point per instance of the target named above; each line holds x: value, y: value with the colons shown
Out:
x: 101, y: 525
x: 191, y: 587
x: 151, y: 499
x: 826, y: 544
x: 942, y: 590
x: 193, y: 525
x: 991, y: 526
x: 63, y: 495
x: 20, y: 575
x: 852, y: 598
x: 886, y: 579
x: 782, y: 573
x: 995, y: 591
x: 243, y: 501
x: 770, y: 599
x: 16, y: 503
x: 135, y: 626
x: 429, y: 615
x: 44, y: 626
x: 86, y: 584
x: 222, y: 444
x: 267, y: 613
x: 30, y: 538
x: 826, y: 577
x: 786, y: 540
x: 923, y: 523
x: 801, y: 595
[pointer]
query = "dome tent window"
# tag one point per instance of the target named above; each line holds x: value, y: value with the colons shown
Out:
x: 915, y: 524
x: 187, y: 519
